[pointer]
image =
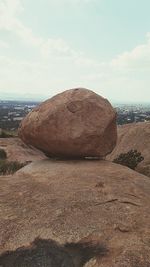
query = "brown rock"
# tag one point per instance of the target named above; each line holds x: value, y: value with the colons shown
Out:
x: 68, y: 201
x: 75, y: 123
x: 134, y: 136
x: 18, y: 151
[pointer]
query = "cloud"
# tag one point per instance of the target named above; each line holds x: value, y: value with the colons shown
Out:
x: 58, y: 64
x: 8, y: 10
x: 126, y: 75
x: 9, y: 21
x: 57, y: 47
x: 3, y: 44
x: 136, y: 59
x: 61, y: 2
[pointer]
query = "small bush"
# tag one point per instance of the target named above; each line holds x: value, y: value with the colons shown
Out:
x: 10, y: 167
x: 130, y: 159
x: 4, y: 134
x: 3, y: 154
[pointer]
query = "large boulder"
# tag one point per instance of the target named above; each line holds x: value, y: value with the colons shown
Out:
x: 75, y: 123
x: 68, y: 201
x: 134, y: 136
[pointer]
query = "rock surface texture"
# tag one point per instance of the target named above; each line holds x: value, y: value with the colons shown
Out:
x: 75, y: 123
x: 134, y: 136
x: 18, y: 151
x: 68, y: 201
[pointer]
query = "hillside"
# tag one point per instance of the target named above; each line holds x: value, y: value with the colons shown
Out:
x: 134, y: 136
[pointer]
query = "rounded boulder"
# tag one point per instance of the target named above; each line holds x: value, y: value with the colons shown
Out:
x: 76, y: 123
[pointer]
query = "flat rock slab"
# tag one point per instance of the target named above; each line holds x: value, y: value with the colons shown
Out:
x: 73, y: 200
x: 76, y: 123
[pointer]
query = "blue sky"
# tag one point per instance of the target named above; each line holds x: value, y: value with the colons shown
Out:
x: 48, y: 46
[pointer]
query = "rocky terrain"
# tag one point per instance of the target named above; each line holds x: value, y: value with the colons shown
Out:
x: 78, y: 200
x: 134, y: 136
x: 18, y: 151
x: 74, y: 200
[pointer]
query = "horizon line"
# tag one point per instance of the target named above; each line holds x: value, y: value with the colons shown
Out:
x: 121, y: 102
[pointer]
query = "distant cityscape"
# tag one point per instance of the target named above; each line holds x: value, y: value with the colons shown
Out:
x: 12, y: 113
x: 129, y: 113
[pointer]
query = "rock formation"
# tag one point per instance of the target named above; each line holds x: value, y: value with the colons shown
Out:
x: 134, y: 136
x: 68, y: 201
x: 77, y: 200
x: 18, y: 151
x: 76, y: 123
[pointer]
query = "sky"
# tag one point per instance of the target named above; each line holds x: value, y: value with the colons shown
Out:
x: 48, y: 46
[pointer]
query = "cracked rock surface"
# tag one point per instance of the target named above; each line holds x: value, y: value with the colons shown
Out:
x: 68, y: 201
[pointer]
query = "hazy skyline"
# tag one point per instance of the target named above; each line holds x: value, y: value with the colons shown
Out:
x: 47, y: 46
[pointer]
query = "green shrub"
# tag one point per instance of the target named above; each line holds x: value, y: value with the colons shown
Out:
x: 10, y: 167
x: 4, y: 134
x: 3, y: 154
x: 130, y: 159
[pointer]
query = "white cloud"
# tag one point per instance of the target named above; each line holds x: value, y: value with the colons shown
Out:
x: 51, y: 47
x: 58, y: 64
x: 57, y: 47
x: 26, y: 34
x: 3, y: 44
x: 138, y: 58
x: 9, y: 9
x: 61, y: 2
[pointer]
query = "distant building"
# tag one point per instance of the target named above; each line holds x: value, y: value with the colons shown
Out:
x: 18, y: 118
